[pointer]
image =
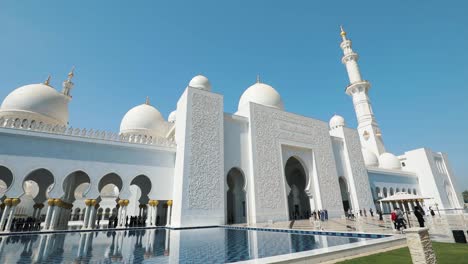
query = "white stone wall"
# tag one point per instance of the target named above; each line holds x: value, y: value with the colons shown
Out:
x: 432, y: 176
x: 269, y: 130
x: 355, y: 164
x: 199, y: 197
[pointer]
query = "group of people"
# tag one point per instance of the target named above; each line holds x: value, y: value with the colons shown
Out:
x: 321, y: 215
x: 132, y: 221
x: 25, y: 224
x: 399, y: 221
x: 362, y: 212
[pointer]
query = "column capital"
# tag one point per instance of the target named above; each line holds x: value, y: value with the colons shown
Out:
x: 169, y: 203
x: 88, y: 202
x: 7, y: 201
x: 153, y: 202
x: 51, y: 201
x: 15, y: 201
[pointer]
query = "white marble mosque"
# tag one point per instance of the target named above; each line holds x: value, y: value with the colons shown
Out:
x: 203, y: 166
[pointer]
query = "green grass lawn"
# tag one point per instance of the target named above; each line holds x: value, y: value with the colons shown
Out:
x: 445, y: 252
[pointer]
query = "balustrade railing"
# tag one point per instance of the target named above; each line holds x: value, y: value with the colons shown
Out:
x: 33, y: 125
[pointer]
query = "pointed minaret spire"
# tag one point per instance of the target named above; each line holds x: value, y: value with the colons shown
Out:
x: 342, y: 33
x: 147, y: 100
x: 258, y: 78
x: 71, y: 74
x: 68, y: 84
x: 47, y: 82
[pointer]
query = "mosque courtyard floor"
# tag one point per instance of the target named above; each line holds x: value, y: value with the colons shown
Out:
x: 440, y: 227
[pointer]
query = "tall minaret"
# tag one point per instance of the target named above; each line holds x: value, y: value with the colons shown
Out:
x: 369, y: 131
x: 68, y: 84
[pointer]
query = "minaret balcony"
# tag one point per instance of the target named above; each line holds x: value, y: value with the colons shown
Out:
x: 360, y: 86
x: 349, y: 57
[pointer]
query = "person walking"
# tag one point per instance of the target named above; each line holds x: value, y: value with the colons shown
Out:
x: 371, y: 212
x: 393, y: 216
x: 400, y: 219
x: 432, y: 211
x: 419, y: 215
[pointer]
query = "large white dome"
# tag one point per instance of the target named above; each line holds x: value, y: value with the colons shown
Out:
x: 38, y: 102
x: 389, y: 161
x: 337, y: 121
x: 200, y: 82
x: 143, y: 119
x: 261, y: 93
x: 370, y: 159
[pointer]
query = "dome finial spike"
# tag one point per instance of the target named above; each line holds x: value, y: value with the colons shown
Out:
x: 47, y: 82
x: 258, y: 78
x: 147, y: 100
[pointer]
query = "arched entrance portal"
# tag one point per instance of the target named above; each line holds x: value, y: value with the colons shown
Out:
x: 344, y: 194
x: 236, y: 202
x: 298, y: 201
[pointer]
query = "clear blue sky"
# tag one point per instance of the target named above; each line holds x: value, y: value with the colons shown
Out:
x: 413, y: 52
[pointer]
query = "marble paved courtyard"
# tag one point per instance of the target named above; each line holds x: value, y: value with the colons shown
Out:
x: 440, y: 227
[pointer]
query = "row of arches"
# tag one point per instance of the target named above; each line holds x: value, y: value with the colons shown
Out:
x: 71, y: 204
x: 39, y: 182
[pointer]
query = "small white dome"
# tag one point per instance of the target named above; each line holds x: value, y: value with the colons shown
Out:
x: 143, y: 119
x: 200, y: 82
x: 261, y: 93
x: 370, y: 159
x: 337, y: 121
x: 172, y: 116
x: 37, y: 101
x: 389, y: 161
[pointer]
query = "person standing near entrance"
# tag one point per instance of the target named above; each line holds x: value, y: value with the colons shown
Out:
x: 419, y: 215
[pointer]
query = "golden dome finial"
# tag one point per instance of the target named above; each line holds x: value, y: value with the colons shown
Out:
x: 47, y: 82
x: 147, y: 100
x: 343, y: 33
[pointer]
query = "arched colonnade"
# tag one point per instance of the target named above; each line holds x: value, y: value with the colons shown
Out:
x: 384, y: 192
x: 46, y: 205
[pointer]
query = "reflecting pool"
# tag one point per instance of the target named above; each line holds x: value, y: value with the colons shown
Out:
x: 207, y: 245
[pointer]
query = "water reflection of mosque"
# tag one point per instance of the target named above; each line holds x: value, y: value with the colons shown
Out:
x: 141, y: 244
x: 160, y: 245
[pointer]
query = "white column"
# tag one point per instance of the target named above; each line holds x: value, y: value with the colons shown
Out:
x: 149, y: 215
x: 6, y: 211
x: 87, y: 211
x: 10, y: 218
x: 154, y: 214
x: 124, y: 218
x: 169, y: 211
x: 55, y: 215
x: 92, y: 217
x: 50, y: 210
x: 86, y: 217
x: 119, y: 216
